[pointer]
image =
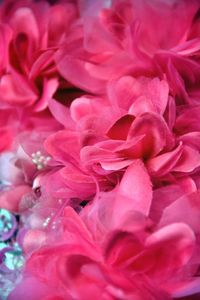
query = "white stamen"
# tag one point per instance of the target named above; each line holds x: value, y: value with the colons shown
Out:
x: 40, y: 160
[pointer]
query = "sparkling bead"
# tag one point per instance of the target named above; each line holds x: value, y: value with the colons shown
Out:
x: 8, y: 225
x: 13, y: 259
x: 46, y: 222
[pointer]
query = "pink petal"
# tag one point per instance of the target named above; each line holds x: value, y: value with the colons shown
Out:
x: 189, y: 160
x: 166, y: 195
x: 167, y: 15
x: 96, y: 154
x: 74, y: 70
x: 98, y: 39
x: 49, y: 88
x: 78, y: 181
x: 87, y: 105
x: 126, y: 88
x: 24, y: 21
x: 191, y: 139
x: 135, y: 191
x: 31, y: 288
x: 10, y: 199
x: 58, y: 144
x: 188, y: 48
x: 116, y: 165
x: 33, y: 239
x: 153, y: 98
x: 61, y: 113
x: 164, y: 163
x: 185, y: 289
x: 185, y: 209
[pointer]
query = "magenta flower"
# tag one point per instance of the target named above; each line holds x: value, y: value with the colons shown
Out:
x: 100, y: 149
x: 29, y: 76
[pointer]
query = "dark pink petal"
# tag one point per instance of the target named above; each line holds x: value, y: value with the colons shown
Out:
x: 15, y: 90
x: 176, y: 236
x: 5, y: 38
x: 121, y: 247
x: 6, y: 139
x: 120, y: 129
x: 188, y: 121
x: 157, y: 134
x: 60, y: 19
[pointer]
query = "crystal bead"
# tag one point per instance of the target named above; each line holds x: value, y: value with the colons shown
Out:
x: 13, y: 259
x: 8, y: 225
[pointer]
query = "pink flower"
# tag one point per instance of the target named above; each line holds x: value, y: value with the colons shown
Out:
x: 137, y: 129
x: 18, y: 169
x: 107, y: 134
x: 32, y: 32
x: 125, y: 39
x: 115, y: 256
x: 106, y: 183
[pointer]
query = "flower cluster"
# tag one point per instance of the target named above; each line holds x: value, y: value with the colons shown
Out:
x: 100, y: 147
